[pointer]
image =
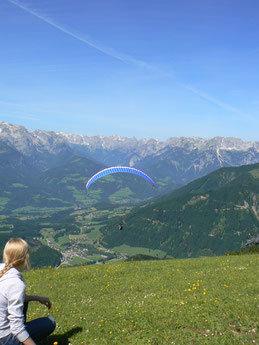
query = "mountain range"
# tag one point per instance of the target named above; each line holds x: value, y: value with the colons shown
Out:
x: 49, y: 169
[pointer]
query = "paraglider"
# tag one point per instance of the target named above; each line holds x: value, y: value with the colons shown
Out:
x: 118, y: 169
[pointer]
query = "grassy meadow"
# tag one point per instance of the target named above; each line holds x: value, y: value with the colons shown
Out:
x: 183, y: 302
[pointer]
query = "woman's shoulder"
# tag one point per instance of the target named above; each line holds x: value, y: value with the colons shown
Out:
x: 12, y: 274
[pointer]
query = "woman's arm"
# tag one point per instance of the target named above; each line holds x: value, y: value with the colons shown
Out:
x: 15, y: 293
x: 29, y: 341
x: 42, y: 300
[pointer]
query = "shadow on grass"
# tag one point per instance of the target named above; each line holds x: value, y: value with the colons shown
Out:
x: 61, y: 339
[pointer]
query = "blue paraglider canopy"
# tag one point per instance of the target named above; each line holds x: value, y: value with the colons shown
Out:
x: 119, y: 169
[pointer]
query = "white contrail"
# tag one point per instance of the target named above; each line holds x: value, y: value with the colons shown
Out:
x: 212, y: 100
x: 108, y: 51
x: 123, y: 58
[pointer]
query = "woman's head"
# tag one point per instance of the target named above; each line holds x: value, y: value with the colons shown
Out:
x: 16, y: 253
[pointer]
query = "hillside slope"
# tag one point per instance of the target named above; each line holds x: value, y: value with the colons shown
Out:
x: 204, y: 301
x: 209, y: 216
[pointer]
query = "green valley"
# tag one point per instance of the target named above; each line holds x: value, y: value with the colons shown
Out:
x: 210, y: 216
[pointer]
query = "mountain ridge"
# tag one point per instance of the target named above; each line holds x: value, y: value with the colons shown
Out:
x: 9, y: 131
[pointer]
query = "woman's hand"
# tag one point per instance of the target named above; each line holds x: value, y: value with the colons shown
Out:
x: 45, y: 301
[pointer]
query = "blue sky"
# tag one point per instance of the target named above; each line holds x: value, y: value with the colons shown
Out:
x: 143, y: 68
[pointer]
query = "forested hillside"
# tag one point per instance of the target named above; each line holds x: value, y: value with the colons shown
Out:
x: 209, y: 216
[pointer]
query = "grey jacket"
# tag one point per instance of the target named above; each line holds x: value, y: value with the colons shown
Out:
x: 12, y: 294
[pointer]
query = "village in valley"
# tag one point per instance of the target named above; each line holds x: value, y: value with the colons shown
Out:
x: 83, y: 247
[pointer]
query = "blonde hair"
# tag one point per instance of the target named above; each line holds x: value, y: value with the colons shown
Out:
x: 16, y: 254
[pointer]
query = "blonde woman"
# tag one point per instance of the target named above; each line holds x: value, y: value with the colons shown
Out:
x: 14, y: 302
